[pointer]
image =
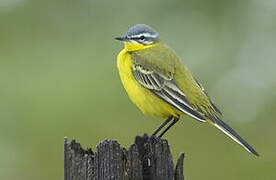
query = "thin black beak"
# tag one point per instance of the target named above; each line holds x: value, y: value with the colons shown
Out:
x: 121, y: 38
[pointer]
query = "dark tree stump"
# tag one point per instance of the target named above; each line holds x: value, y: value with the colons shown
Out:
x: 147, y: 159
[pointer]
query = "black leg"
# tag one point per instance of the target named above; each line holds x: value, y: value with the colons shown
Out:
x: 170, y: 125
x: 161, y: 126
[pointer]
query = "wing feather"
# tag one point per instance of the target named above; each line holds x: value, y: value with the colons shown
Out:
x: 211, y: 102
x: 167, y: 90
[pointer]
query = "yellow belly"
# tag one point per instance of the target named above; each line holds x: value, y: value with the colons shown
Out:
x: 147, y: 102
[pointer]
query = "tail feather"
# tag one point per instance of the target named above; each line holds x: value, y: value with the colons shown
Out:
x: 233, y: 135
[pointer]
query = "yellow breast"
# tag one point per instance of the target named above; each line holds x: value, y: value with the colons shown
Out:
x: 147, y: 102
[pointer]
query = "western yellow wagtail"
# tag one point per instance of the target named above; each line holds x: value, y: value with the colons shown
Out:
x: 157, y: 81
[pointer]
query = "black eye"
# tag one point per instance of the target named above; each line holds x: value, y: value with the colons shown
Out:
x: 142, y: 37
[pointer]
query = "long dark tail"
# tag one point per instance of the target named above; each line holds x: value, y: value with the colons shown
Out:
x: 233, y: 135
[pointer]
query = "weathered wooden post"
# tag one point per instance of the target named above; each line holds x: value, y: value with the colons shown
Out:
x: 146, y: 159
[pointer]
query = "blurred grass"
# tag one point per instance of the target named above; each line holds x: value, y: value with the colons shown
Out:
x: 58, y: 78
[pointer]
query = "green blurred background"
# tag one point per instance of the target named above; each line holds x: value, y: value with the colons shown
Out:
x: 58, y: 78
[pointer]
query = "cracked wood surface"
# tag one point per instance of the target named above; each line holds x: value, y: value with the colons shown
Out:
x: 146, y: 159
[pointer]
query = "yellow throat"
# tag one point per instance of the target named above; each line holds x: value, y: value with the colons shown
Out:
x: 133, y: 46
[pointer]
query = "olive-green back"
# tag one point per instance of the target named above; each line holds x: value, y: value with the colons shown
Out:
x: 164, y: 61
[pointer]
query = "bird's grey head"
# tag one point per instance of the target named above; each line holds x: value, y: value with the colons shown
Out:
x: 140, y: 33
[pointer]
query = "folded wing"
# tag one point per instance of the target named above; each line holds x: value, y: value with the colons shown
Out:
x: 165, y: 88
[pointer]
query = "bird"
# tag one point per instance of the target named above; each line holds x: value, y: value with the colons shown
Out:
x: 158, y: 82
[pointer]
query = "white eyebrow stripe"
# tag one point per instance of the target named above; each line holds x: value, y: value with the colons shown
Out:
x: 145, y: 34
